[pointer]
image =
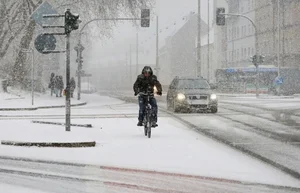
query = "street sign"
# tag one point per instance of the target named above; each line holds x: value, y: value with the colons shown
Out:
x: 145, y: 17
x: 279, y: 80
x: 44, y: 8
x: 83, y: 74
x: 45, y: 43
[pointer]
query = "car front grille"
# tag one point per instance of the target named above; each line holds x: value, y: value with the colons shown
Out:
x: 198, y: 97
x: 199, y: 106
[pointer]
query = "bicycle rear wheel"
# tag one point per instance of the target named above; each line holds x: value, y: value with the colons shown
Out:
x: 145, y: 129
x: 149, y: 132
x: 149, y: 125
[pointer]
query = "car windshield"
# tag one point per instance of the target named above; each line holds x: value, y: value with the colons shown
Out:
x: 193, y: 84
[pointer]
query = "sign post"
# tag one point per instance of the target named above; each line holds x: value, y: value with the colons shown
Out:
x: 71, y: 23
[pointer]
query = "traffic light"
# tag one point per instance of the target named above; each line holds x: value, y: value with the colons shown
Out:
x: 71, y: 22
x: 220, y: 18
x: 145, y: 18
x: 254, y: 60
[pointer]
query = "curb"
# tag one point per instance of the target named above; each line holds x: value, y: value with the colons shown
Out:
x: 42, y: 107
x: 50, y: 144
x: 63, y: 124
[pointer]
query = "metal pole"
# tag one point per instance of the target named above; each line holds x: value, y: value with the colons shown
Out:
x: 88, y: 83
x: 130, y: 72
x: 157, y: 61
x: 257, y: 66
x: 278, y: 34
x: 198, y: 67
x: 137, y: 53
x: 32, y: 76
x: 208, y: 51
x: 79, y: 70
x: 127, y: 77
x: 30, y: 50
x: 68, y: 105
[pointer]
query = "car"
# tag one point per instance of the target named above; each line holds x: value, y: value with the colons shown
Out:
x: 191, y: 93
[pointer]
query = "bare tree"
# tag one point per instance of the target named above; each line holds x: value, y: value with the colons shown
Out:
x: 17, y: 28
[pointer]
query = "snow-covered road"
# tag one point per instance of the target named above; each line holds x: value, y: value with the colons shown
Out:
x: 36, y: 175
x: 173, y: 148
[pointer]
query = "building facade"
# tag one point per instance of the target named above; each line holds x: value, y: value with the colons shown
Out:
x: 240, y: 33
x: 178, y: 57
x: 288, y: 46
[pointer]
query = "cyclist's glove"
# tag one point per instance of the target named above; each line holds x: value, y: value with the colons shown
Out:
x: 135, y: 93
x: 159, y: 93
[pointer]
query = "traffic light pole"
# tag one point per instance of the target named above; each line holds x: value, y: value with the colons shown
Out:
x: 79, y: 55
x: 68, y: 28
x: 256, y: 48
x: 68, y: 101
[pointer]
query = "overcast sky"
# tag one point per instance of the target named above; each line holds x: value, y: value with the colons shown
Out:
x: 169, y: 12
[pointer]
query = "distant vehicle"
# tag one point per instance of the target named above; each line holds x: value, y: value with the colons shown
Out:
x: 242, y: 80
x: 186, y: 94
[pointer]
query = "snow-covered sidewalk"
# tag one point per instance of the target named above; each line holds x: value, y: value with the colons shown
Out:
x: 23, y: 101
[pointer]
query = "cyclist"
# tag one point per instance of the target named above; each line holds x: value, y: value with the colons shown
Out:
x: 145, y: 83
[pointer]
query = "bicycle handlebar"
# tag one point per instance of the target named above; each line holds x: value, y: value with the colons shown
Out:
x: 146, y: 94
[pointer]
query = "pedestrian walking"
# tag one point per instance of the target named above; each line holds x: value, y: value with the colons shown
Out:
x: 52, y: 83
x: 72, y: 86
x: 61, y: 86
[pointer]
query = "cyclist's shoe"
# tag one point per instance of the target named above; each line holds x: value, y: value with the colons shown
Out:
x: 140, y: 123
x: 154, y: 124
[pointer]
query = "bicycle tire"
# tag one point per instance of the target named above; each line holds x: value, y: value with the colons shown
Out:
x: 148, y: 125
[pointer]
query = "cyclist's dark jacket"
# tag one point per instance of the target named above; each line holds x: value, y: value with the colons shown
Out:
x: 146, y: 84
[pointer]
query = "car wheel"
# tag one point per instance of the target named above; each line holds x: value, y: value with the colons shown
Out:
x: 169, y: 106
x: 175, y: 108
x: 214, y: 109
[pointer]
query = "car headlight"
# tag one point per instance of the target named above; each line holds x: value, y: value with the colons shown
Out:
x: 180, y: 96
x: 213, y: 97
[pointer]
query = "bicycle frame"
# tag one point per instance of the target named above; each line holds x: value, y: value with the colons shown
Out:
x: 147, y: 114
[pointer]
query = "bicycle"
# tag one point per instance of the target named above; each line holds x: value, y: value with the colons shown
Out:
x: 147, y: 115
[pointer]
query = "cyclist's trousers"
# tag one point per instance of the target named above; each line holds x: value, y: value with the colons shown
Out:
x: 142, y: 101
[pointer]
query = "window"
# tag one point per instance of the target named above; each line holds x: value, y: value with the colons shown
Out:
x: 252, y: 51
x: 242, y: 55
x: 245, y: 52
x: 243, y: 31
x: 249, y: 52
x: 233, y: 56
x: 234, y: 33
x: 249, y: 5
x: 237, y: 55
x: 249, y: 29
x: 238, y: 32
x: 229, y: 35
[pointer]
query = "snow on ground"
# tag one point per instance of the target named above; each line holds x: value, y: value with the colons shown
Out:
x: 172, y: 148
x: 12, y: 188
x: 24, y: 100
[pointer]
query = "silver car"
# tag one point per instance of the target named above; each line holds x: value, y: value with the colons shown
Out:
x: 187, y: 94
